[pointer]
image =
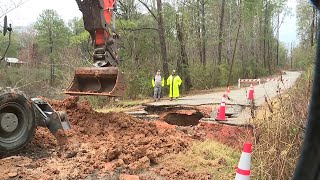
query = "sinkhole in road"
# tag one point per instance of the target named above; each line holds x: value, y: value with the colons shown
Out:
x: 179, y: 115
x: 181, y: 119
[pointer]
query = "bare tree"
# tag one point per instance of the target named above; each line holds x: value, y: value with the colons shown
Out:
x: 182, y: 63
x: 221, y: 31
x: 203, y: 34
x: 7, y: 6
x: 162, y: 38
x: 161, y: 31
x: 265, y: 33
x: 235, y: 46
x: 278, y: 28
x: 199, y: 32
x: 312, y: 29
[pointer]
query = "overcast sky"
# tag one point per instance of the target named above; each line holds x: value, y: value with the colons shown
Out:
x: 288, y: 29
x: 67, y: 9
x: 30, y: 10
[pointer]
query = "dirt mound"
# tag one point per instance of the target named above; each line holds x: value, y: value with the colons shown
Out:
x: 174, y: 172
x: 123, y: 134
x: 232, y: 136
x: 106, y: 145
x: 99, y: 143
x: 93, y: 123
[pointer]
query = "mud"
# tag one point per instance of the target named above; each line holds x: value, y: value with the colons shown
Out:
x: 232, y: 136
x: 183, y: 116
x: 114, y: 146
x: 98, y: 143
x: 205, y: 110
x: 180, y: 119
x: 174, y: 172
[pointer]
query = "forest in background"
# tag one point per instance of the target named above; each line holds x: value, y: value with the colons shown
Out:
x: 209, y: 43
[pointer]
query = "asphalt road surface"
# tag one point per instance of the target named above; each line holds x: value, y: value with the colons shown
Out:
x: 238, y: 96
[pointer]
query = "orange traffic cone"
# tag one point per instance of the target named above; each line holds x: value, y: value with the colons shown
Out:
x: 251, y: 93
x: 243, y: 170
x: 228, y: 89
x: 221, y: 116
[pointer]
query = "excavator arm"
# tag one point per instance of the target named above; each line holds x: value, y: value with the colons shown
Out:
x: 97, y: 16
x: 105, y: 79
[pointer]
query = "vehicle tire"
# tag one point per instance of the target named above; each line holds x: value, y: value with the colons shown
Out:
x: 17, y: 121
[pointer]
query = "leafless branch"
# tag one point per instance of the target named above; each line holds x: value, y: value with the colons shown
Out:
x: 146, y: 6
x: 14, y: 5
x: 139, y: 29
x: 17, y: 83
x: 28, y: 84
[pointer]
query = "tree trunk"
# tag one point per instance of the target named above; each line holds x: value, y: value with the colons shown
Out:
x: 291, y: 57
x: 221, y: 32
x: 229, y: 48
x: 199, y: 32
x: 312, y: 27
x: 265, y: 34
x: 203, y: 33
x: 162, y: 38
x: 182, y: 63
x: 242, y: 61
x: 260, y: 41
x: 316, y: 27
x: 51, y: 58
x: 234, y: 49
x: 278, y: 39
x: 269, y: 57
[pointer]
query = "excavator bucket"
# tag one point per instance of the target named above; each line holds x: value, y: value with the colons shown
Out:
x: 97, y: 81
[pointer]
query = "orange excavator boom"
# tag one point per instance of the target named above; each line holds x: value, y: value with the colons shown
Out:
x: 105, y: 79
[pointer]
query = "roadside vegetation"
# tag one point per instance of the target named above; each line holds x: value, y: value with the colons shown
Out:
x: 280, y: 125
x: 209, y: 157
x: 118, y: 106
x: 200, y: 40
x: 280, y: 130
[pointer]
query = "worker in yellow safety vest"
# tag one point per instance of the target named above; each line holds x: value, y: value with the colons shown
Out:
x: 174, y: 82
x: 157, y: 84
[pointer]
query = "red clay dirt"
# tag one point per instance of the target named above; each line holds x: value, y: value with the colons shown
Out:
x: 232, y: 136
x: 110, y: 146
x: 97, y: 143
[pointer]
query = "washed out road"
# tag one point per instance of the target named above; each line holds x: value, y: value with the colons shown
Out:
x: 237, y: 96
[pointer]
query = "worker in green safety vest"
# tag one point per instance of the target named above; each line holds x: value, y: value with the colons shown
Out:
x: 174, y: 82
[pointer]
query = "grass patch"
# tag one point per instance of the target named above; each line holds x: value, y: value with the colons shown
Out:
x: 131, y: 103
x: 113, y: 109
x: 124, y: 105
x: 207, y: 157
